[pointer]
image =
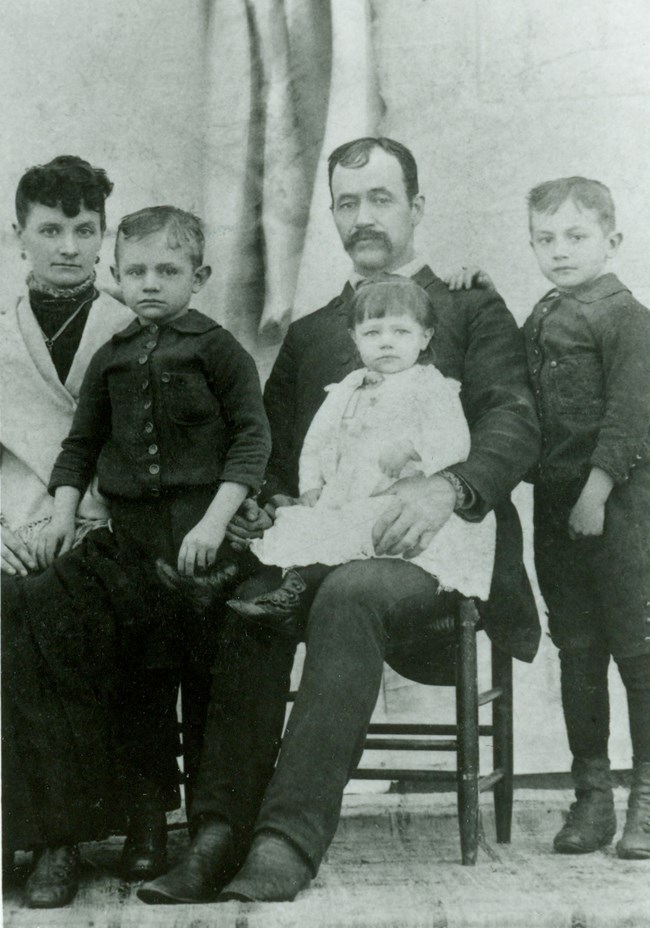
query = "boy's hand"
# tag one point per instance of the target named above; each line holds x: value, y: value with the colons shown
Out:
x: 16, y: 556
x: 54, y: 540
x: 310, y: 497
x: 467, y: 277
x: 199, y: 547
x: 587, y: 517
x: 394, y: 458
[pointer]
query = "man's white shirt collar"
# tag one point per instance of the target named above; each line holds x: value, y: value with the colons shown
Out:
x: 406, y: 270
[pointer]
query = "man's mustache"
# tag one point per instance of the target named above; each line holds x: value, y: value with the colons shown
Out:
x: 367, y: 235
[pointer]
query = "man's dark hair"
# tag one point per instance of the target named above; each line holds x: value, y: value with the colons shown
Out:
x: 184, y: 230
x: 66, y: 181
x: 356, y: 154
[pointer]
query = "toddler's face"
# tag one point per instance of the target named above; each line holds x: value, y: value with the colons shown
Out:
x: 571, y: 246
x: 157, y: 280
x: 391, y: 343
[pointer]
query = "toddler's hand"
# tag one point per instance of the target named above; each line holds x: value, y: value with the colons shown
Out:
x: 199, y: 547
x: 587, y: 518
x: 467, y: 277
x: 54, y: 539
x: 394, y: 458
x: 310, y: 497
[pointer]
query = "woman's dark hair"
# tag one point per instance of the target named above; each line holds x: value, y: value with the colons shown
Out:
x: 66, y: 181
x: 387, y: 295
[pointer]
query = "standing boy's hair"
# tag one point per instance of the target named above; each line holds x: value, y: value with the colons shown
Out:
x: 388, y: 295
x: 589, y: 194
x: 356, y: 154
x: 184, y: 230
x: 66, y: 181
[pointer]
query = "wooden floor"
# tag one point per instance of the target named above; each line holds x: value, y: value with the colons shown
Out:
x: 395, y: 864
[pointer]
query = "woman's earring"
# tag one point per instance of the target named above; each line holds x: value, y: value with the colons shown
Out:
x: 97, y: 260
x: 23, y: 255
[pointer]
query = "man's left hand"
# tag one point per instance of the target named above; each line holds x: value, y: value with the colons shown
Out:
x: 421, y: 507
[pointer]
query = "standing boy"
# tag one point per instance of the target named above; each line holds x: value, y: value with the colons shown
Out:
x: 588, y: 346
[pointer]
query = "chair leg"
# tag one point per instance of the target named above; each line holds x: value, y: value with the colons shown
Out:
x: 503, y: 743
x: 467, y: 720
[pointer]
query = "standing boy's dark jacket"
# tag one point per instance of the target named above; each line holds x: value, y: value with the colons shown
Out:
x: 588, y: 358
x: 163, y: 408
x: 477, y: 342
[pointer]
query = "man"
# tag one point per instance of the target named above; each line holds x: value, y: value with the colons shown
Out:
x: 364, y: 612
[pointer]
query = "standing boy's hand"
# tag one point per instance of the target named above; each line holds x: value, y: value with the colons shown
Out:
x: 199, y: 547
x: 587, y: 518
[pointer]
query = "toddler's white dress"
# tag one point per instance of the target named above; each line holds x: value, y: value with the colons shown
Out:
x: 359, y: 421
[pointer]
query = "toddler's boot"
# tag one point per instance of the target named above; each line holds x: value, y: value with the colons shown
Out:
x: 591, y: 822
x: 635, y: 843
x: 283, y: 609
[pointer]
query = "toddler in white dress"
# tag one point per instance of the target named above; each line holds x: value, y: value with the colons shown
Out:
x: 396, y: 417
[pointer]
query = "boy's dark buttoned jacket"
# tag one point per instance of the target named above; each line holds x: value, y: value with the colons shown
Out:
x: 589, y: 358
x: 477, y: 342
x: 164, y: 408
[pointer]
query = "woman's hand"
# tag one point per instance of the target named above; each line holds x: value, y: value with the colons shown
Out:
x: 199, y: 547
x: 310, y: 497
x: 467, y: 277
x: 16, y: 556
x: 54, y: 539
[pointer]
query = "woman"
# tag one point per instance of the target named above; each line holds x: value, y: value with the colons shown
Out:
x: 59, y: 737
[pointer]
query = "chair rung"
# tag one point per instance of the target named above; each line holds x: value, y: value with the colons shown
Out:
x: 488, y: 781
x: 409, y: 744
x: 407, y: 728
x: 388, y: 773
x: 489, y: 695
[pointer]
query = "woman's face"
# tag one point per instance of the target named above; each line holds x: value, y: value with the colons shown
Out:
x: 62, y: 249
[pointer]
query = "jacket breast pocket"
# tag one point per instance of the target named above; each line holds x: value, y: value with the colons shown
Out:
x: 580, y: 386
x: 188, y: 399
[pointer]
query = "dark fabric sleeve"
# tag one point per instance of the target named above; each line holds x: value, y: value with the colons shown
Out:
x: 280, y: 404
x: 236, y: 384
x: 91, y: 427
x: 498, y: 404
x: 624, y: 337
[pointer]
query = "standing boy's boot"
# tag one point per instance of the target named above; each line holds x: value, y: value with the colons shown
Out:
x: 55, y: 879
x: 635, y: 843
x: 591, y: 822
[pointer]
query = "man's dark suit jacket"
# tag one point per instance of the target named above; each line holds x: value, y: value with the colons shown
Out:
x: 477, y: 342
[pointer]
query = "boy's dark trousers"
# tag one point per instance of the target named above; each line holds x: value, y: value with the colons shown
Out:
x: 597, y: 591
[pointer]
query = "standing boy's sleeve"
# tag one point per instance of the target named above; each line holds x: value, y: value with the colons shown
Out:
x: 91, y: 427
x: 623, y: 440
x: 236, y: 383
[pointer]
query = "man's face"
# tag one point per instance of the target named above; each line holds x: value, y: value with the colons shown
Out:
x: 570, y: 245
x: 157, y: 281
x: 373, y: 215
x: 61, y: 249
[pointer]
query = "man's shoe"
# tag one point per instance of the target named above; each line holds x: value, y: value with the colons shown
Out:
x: 203, y: 589
x: 635, y: 843
x: 144, y: 855
x: 591, y: 822
x: 274, y: 871
x: 208, y: 864
x: 54, y: 881
x: 282, y: 609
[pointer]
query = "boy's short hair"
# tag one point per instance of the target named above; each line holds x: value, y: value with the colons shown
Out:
x: 184, y: 230
x: 67, y: 181
x: 356, y: 154
x: 391, y: 294
x: 589, y: 194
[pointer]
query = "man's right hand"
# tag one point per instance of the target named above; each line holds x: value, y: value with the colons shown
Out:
x: 16, y: 556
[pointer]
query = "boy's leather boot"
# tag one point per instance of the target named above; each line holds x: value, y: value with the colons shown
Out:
x: 144, y: 854
x: 207, y: 865
x: 55, y: 878
x: 591, y: 822
x: 635, y: 843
